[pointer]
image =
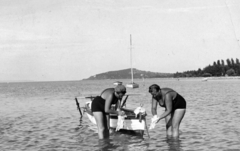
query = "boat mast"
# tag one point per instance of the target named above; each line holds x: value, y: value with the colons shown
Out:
x: 131, y: 56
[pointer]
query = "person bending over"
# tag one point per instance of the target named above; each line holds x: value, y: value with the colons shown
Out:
x: 101, y: 108
x: 174, y: 104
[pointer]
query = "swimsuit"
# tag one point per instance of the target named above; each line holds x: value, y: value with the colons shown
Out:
x: 98, y: 104
x: 178, y: 102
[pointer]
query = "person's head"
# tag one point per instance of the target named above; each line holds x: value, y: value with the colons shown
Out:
x: 154, y: 89
x: 120, y: 91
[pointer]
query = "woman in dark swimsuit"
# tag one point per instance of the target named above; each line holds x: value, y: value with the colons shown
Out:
x: 101, y: 107
x: 174, y: 104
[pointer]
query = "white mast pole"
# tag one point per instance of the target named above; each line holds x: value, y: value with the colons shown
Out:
x: 131, y: 56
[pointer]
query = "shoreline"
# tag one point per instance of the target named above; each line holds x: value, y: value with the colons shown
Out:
x: 209, y: 78
x: 223, y: 78
x: 165, y: 78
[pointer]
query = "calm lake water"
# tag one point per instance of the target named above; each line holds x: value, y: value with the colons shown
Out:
x: 43, y: 116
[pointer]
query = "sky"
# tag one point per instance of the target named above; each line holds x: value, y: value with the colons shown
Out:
x: 60, y: 40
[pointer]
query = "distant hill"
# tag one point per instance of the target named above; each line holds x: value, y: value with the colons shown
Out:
x: 126, y: 74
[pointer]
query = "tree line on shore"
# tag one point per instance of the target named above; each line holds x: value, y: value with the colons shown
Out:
x: 218, y: 68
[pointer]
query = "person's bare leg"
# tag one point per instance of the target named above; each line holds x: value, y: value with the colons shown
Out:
x: 101, y: 124
x: 176, y: 121
x: 107, y: 124
x: 108, y: 121
x: 168, y: 121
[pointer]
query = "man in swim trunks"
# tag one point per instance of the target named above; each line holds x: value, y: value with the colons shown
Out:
x: 101, y: 107
x: 174, y: 104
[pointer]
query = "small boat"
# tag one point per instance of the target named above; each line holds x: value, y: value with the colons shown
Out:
x: 132, y: 84
x: 132, y: 122
x: 117, y: 83
x: 205, y: 79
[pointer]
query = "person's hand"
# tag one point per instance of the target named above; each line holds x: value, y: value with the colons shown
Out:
x: 155, y: 119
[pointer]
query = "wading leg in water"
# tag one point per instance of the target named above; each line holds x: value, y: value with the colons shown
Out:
x: 173, y: 122
x: 102, y: 124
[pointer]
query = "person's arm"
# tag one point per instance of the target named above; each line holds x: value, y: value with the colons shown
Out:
x: 107, y: 108
x: 154, y: 107
x: 168, y: 103
x: 118, y: 105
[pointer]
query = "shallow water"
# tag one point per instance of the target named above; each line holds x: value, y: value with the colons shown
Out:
x: 43, y: 116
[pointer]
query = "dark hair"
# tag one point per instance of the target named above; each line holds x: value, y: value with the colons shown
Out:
x: 154, y: 86
x: 123, y: 92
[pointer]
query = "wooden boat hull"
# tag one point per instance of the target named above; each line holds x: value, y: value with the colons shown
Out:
x: 131, y: 122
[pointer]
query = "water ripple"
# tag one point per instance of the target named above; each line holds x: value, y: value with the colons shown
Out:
x: 43, y: 116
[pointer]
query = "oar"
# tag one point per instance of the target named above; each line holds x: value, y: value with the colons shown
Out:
x: 87, y: 97
x: 78, y: 106
x: 146, y: 127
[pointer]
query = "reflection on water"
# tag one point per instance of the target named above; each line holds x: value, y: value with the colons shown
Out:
x: 44, y: 116
x: 174, y: 144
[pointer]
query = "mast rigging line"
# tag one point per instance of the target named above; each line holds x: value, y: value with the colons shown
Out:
x: 229, y: 12
x: 131, y: 56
